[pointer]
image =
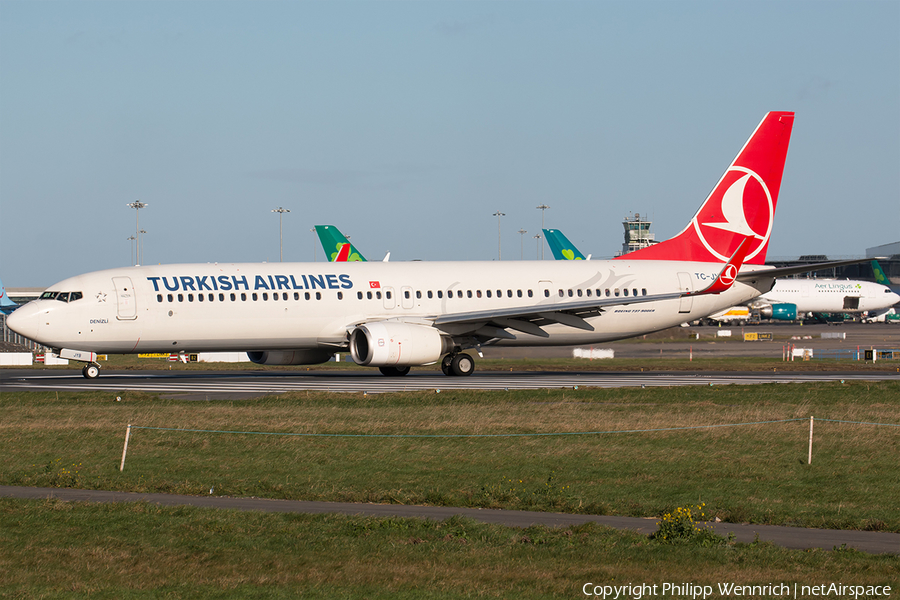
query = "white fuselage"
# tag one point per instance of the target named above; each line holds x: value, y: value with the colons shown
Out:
x: 830, y: 295
x: 252, y: 307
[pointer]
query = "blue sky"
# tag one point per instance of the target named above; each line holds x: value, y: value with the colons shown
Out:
x: 408, y: 125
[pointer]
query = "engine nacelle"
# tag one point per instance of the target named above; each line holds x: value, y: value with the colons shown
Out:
x: 779, y: 312
x: 313, y: 356
x: 394, y: 344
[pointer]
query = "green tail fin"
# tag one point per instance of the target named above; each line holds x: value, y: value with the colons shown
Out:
x: 561, y: 247
x: 332, y: 239
x: 880, y: 277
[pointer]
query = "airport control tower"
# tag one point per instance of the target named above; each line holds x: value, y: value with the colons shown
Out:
x: 637, y: 234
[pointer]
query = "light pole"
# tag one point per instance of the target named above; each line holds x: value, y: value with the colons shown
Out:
x: 280, y: 212
x: 542, y: 208
x: 537, y: 247
x: 522, y: 233
x: 140, y: 248
x: 131, y: 238
x: 499, y: 214
x: 137, y: 205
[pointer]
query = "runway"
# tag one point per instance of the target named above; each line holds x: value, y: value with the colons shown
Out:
x: 788, y: 537
x: 243, y: 384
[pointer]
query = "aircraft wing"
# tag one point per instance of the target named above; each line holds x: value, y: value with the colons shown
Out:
x: 796, y: 270
x: 529, y: 319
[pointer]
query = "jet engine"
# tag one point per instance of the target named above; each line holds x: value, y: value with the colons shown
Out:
x: 779, y: 312
x: 395, y: 344
x: 307, y: 356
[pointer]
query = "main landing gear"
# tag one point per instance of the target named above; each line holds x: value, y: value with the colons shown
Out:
x: 458, y: 364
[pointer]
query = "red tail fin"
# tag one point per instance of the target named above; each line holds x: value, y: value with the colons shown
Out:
x: 742, y: 204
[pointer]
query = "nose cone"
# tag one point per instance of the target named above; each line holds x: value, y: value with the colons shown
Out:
x: 26, y: 320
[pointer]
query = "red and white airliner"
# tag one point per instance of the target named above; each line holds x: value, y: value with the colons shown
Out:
x: 394, y: 315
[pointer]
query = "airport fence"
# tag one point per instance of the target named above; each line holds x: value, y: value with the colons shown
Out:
x: 130, y: 428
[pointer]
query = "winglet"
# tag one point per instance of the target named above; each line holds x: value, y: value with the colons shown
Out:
x: 729, y: 272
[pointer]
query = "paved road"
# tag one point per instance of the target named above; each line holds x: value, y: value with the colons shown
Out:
x: 789, y: 537
x: 212, y: 385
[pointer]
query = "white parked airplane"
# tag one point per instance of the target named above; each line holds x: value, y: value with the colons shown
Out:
x: 790, y: 299
x: 394, y: 315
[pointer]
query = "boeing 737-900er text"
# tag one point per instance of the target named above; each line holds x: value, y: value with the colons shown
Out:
x: 394, y: 315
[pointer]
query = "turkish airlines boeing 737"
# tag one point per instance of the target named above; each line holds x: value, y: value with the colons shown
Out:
x: 394, y: 315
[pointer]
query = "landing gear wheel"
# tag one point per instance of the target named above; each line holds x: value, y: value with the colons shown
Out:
x: 462, y: 365
x: 394, y: 371
x: 90, y: 371
x: 445, y: 364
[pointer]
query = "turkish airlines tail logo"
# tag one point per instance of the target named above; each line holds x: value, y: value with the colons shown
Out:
x: 741, y: 206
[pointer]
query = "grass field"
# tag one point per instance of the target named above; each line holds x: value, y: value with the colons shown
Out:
x: 746, y: 473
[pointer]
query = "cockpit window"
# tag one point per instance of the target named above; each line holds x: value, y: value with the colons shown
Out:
x: 62, y: 296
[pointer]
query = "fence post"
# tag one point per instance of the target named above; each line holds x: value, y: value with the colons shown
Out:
x: 125, y: 448
x: 809, y: 459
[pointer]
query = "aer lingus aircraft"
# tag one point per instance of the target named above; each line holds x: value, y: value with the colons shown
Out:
x: 402, y: 314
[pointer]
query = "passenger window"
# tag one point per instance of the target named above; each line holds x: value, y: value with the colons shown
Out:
x: 519, y: 293
x: 387, y: 295
x: 255, y: 297
x: 430, y: 294
x: 170, y: 298
x: 607, y: 292
x: 243, y: 296
x: 406, y: 294
x: 378, y: 295
x: 265, y: 296
x: 570, y: 293
x: 509, y: 293
x: 359, y: 295
x: 644, y: 291
x: 181, y: 297
x: 634, y: 292
x: 626, y: 291
x: 222, y: 297
x: 561, y: 293
x: 368, y: 295
x: 488, y: 293
x: 418, y: 295
x: 159, y: 297
x: 478, y: 293
x: 318, y: 295
x: 579, y: 293
x: 190, y: 297
x: 546, y: 293
x: 297, y: 295
x: 469, y: 293
x: 459, y: 293
x: 530, y: 294
x: 200, y: 297
x: 340, y: 295
x: 306, y: 295
x: 588, y: 292
x: 616, y: 291
x: 440, y: 294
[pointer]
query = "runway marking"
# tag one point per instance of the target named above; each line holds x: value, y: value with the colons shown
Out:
x: 375, y: 384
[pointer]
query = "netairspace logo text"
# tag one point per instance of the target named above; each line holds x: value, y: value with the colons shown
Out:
x: 733, y: 590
